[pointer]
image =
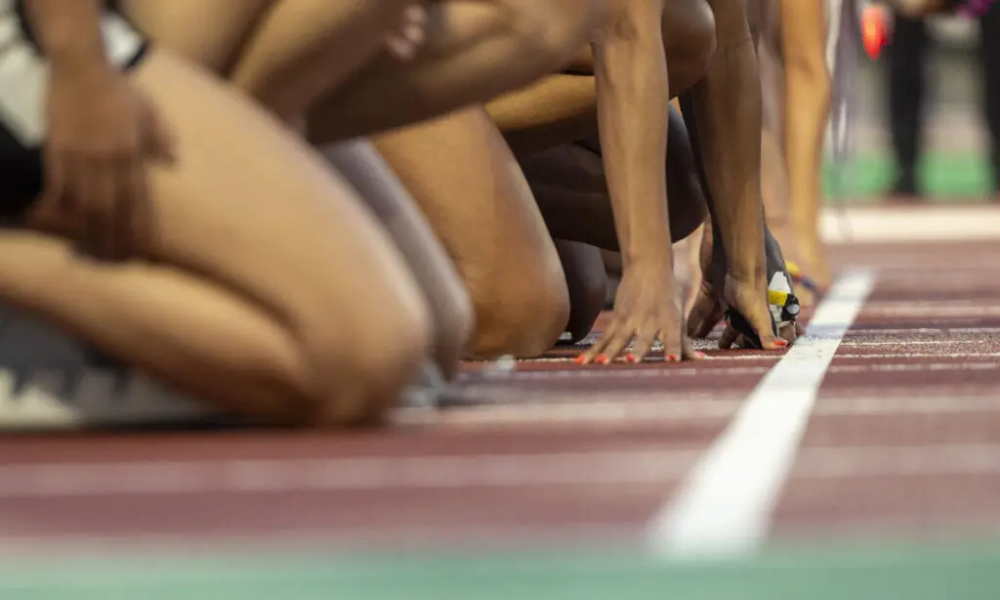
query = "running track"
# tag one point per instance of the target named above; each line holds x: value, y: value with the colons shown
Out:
x: 883, y: 426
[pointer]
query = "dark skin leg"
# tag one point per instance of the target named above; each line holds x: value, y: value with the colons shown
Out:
x: 587, y: 283
x: 570, y: 186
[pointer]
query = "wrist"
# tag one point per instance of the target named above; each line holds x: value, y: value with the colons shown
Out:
x: 747, y: 270
x: 69, y: 32
x: 77, y: 58
x: 649, y: 256
x: 658, y: 262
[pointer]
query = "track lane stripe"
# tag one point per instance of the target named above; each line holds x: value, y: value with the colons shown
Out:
x: 724, y: 505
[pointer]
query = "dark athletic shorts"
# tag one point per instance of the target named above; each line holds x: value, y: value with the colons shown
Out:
x: 22, y: 100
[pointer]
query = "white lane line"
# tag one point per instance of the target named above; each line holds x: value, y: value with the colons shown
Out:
x: 724, y: 505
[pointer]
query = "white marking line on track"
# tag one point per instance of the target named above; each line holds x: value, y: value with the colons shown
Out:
x: 724, y: 505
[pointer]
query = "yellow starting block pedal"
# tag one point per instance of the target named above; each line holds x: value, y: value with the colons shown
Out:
x: 785, y: 306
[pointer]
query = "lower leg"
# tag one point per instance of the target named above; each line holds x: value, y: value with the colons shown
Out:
x: 569, y: 185
x: 587, y: 283
x: 990, y: 57
x: 192, y: 334
x: 905, y: 62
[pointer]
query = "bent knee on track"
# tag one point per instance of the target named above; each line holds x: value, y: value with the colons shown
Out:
x: 523, y: 315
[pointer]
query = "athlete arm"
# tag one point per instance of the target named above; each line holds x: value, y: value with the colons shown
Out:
x: 102, y: 133
x: 807, y: 102
x: 68, y: 31
x: 632, y: 97
x: 728, y: 107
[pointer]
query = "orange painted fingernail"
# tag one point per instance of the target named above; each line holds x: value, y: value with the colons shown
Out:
x: 602, y: 360
x: 632, y: 358
x: 780, y: 343
x: 580, y: 359
x: 672, y: 357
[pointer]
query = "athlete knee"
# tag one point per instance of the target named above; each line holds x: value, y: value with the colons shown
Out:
x: 690, y: 43
x: 363, y: 356
x: 521, y: 309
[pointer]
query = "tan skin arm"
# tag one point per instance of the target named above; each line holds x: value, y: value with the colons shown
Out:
x: 807, y: 105
x: 633, y: 91
x: 632, y: 97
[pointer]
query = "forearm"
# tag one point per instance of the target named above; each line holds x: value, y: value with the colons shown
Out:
x: 632, y: 98
x: 727, y: 106
x: 807, y: 97
x: 69, y: 31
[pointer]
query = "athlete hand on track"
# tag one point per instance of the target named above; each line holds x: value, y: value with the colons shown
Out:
x: 648, y: 306
x: 102, y: 134
x: 747, y: 295
x: 404, y: 41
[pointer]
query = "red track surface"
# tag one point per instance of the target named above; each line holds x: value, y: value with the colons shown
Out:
x: 904, y: 440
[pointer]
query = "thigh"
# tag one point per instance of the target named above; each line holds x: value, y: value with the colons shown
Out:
x: 251, y: 208
x: 475, y: 196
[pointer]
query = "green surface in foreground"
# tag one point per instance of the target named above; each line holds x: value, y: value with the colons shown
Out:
x: 945, y: 176
x: 938, y: 573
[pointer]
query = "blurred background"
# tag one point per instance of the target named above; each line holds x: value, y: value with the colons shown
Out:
x: 954, y: 166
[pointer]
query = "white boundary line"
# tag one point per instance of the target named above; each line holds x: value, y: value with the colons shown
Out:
x: 723, y: 506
